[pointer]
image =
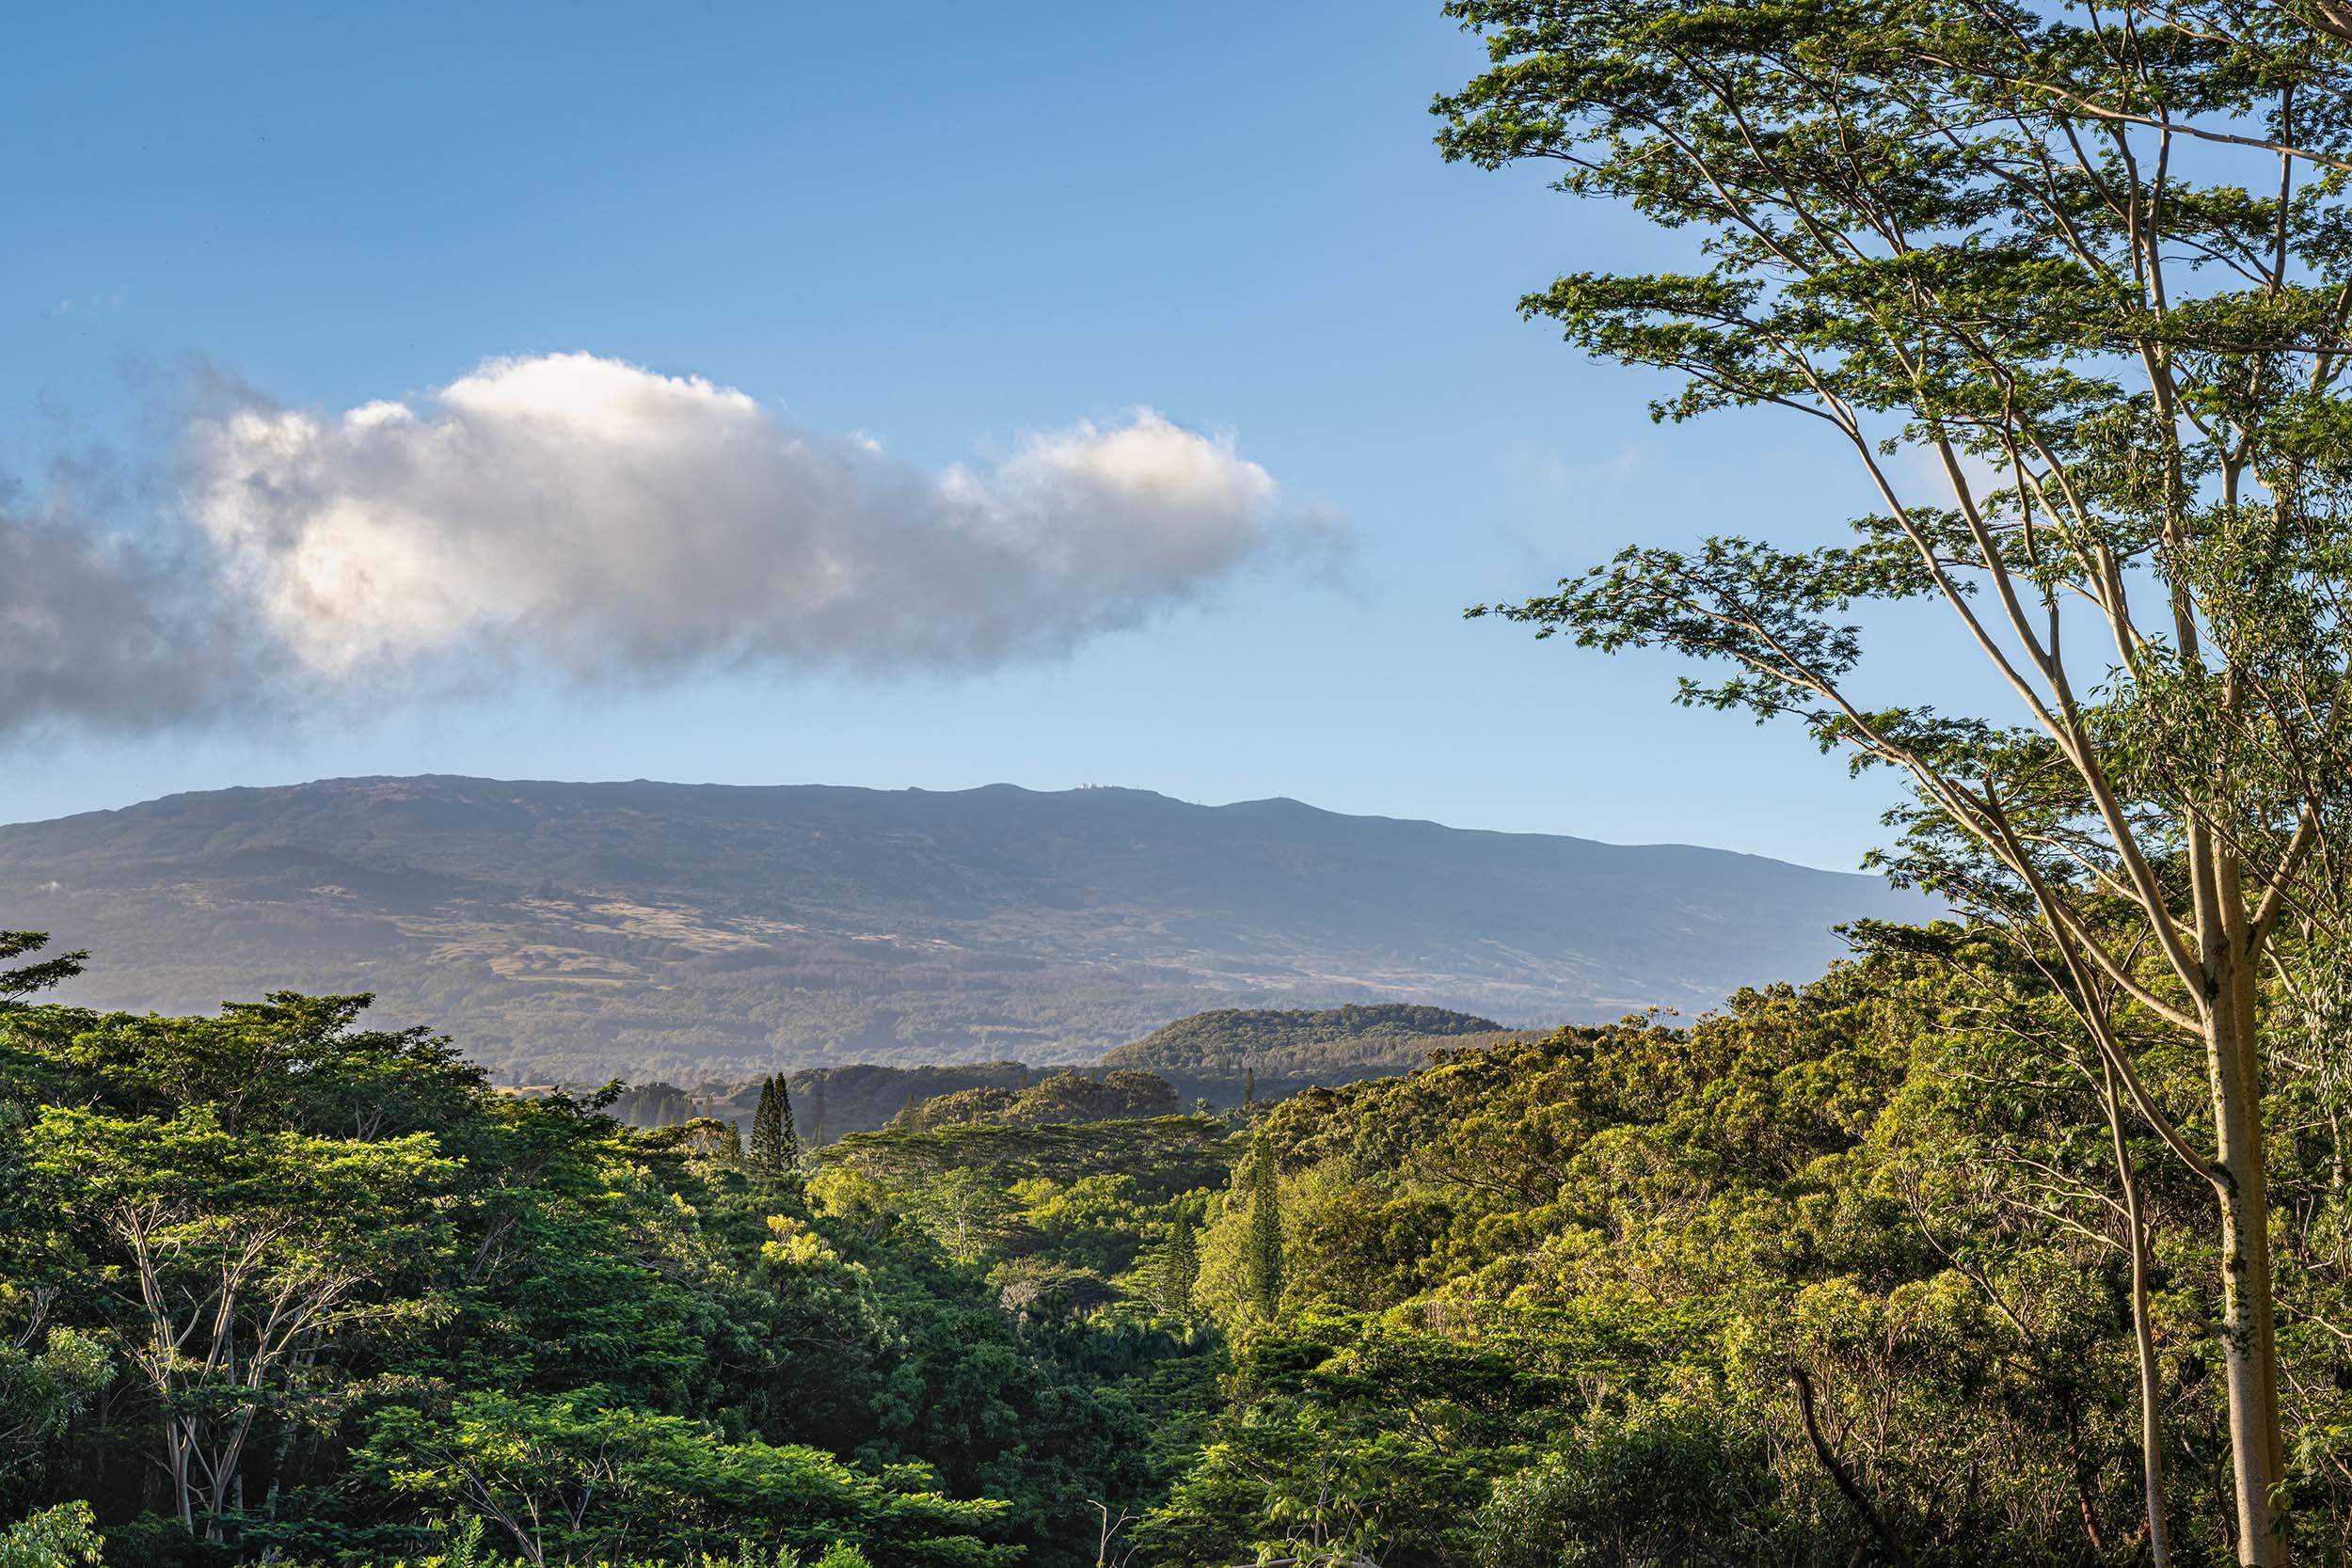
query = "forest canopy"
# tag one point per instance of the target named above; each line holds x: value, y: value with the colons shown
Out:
x: 1836, y: 1274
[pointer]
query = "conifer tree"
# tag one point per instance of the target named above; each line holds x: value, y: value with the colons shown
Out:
x: 1262, y: 1258
x: 768, y: 1150
x: 1179, y: 1269
x: 787, y: 1130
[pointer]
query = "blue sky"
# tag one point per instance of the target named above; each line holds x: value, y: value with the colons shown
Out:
x: 945, y: 227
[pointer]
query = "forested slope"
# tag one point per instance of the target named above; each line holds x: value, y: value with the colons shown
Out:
x: 1838, y: 1275
x: 1222, y: 1056
x: 1835, y: 1276
x: 1267, y: 1052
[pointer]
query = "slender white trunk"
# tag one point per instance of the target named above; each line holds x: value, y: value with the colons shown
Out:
x: 2248, y: 1331
x: 2143, y: 1338
x: 182, y: 1485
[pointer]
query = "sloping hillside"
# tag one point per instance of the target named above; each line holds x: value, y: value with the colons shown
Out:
x: 1223, y: 1054
x: 696, y: 931
x: 1293, y: 1042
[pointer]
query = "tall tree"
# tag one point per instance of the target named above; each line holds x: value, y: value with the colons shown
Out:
x: 231, y: 1260
x: 1180, y: 1266
x: 770, y: 1138
x: 964, y: 1211
x: 787, y: 1130
x: 2069, y: 288
x: 1262, y: 1260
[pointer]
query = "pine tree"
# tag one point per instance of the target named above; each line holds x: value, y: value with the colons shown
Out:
x: 1180, y: 1268
x: 787, y: 1128
x: 1250, y: 1088
x: 817, y: 1117
x: 768, y: 1128
x: 1262, y: 1258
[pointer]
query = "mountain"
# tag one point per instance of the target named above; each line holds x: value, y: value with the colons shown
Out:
x: 693, y: 931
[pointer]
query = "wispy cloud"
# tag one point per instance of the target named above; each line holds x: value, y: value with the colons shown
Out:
x: 97, y: 631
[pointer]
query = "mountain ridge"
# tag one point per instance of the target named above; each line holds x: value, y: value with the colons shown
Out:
x: 563, y: 930
x: 998, y: 788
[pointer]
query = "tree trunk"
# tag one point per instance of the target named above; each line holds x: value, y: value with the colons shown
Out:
x: 182, y: 1484
x: 2249, y: 1333
x: 1846, y: 1484
x: 2143, y: 1335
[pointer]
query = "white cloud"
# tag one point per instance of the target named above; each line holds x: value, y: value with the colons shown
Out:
x: 589, y: 513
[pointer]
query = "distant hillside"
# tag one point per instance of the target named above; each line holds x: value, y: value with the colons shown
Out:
x: 1291, y: 1042
x: 695, y: 933
x: 1202, y: 1057
x: 1067, y: 1096
x: 827, y: 1101
x: 1278, y: 1052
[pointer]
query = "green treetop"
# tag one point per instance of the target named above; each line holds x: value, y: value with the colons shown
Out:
x: 776, y: 1145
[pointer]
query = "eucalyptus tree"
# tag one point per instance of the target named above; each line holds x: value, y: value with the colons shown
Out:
x: 2068, y: 285
x: 229, y: 1261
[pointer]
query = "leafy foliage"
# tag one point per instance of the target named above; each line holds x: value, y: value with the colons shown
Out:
x: 281, y: 1284
x: 1838, y: 1275
x: 30, y: 979
x: 1542, y: 1303
x: 2065, y: 286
